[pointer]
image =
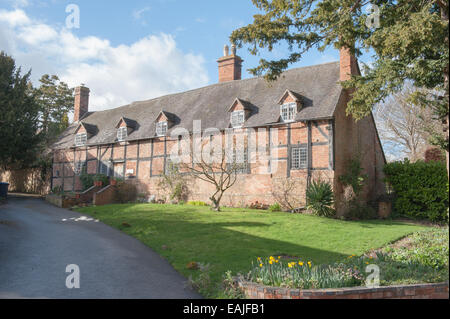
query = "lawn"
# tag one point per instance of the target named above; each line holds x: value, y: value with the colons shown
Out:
x: 233, y: 238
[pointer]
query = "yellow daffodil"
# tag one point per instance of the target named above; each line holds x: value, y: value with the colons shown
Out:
x: 270, y: 262
x: 260, y: 265
x: 276, y: 260
x: 300, y: 263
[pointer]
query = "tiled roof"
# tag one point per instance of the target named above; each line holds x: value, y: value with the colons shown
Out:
x: 318, y: 86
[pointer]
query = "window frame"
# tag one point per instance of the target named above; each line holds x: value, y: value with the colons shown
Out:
x: 122, y: 133
x: 80, y: 139
x: 240, y: 116
x: 290, y: 109
x: 246, y: 165
x: 159, y: 126
x: 300, y: 160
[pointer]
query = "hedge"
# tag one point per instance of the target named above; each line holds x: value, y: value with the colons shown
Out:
x: 421, y: 189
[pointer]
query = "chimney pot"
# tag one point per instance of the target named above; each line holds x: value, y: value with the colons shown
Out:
x: 233, y: 49
x: 230, y: 66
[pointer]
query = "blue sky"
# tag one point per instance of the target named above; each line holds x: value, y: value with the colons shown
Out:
x: 130, y: 50
x: 199, y: 26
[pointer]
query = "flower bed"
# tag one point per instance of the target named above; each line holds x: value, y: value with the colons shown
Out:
x: 419, y: 258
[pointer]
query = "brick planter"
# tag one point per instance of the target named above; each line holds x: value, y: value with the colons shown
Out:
x: 419, y: 291
x: 98, y: 183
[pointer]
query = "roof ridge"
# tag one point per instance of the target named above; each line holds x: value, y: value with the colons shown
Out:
x: 212, y: 85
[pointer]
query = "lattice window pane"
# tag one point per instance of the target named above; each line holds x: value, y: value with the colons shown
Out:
x: 237, y: 118
x: 299, y: 159
x: 288, y: 111
x: 122, y: 133
x: 303, y: 157
x: 80, y: 139
x: 161, y: 128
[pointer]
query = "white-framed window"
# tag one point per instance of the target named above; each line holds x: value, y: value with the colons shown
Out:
x: 288, y: 111
x: 299, y: 158
x: 80, y: 139
x: 122, y: 133
x: 161, y: 128
x: 237, y: 118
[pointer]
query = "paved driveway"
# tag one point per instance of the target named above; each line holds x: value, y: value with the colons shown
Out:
x: 38, y: 241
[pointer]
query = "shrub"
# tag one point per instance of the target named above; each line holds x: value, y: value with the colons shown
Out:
x: 353, y: 176
x: 275, y: 208
x: 258, y: 205
x: 420, y: 189
x: 57, y: 190
x: 358, y: 210
x: 86, y: 179
x: 319, y: 198
x: 197, y: 203
x: 102, y: 178
x: 125, y: 192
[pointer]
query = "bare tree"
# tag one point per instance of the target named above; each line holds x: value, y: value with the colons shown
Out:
x: 286, y: 192
x: 219, y: 169
x: 404, y: 125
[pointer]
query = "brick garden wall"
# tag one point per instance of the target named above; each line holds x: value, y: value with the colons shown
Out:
x: 420, y: 291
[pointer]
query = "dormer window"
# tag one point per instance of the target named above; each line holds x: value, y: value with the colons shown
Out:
x: 161, y: 128
x: 80, y: 139
x: 124, y: 128
x: 288, y: 111
x: 240, y: 111
x: 290, y: 103
x: 122, y: 133
x: 237, y: 118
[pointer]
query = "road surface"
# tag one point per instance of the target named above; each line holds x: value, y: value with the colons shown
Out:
x: 38, y: 241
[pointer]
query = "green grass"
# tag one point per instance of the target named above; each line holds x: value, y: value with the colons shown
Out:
x: 233, y: 238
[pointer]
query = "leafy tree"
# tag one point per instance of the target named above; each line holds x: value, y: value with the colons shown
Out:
x: 410, y: 43
x: 18, y: 117
x: 56, y: 100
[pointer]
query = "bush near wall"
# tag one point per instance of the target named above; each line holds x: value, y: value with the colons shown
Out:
x: 420, y: 189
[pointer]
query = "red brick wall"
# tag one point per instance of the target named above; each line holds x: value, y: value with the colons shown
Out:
x: 420, y: 291
x: 104, y: 196
x: 249, y: 187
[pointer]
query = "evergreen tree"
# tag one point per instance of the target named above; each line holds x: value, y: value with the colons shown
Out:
x: 19, y: 137
x: 55, y: 100
x: 410, y: 43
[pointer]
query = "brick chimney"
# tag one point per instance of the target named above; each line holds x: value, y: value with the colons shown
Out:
x: 81, y: 105
x: 348, y: 64
x: 230, y: 65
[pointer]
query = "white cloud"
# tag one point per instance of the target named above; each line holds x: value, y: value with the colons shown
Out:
x: 117, y: 75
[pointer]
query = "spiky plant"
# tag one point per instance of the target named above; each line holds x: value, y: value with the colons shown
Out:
x: 320, y: 199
